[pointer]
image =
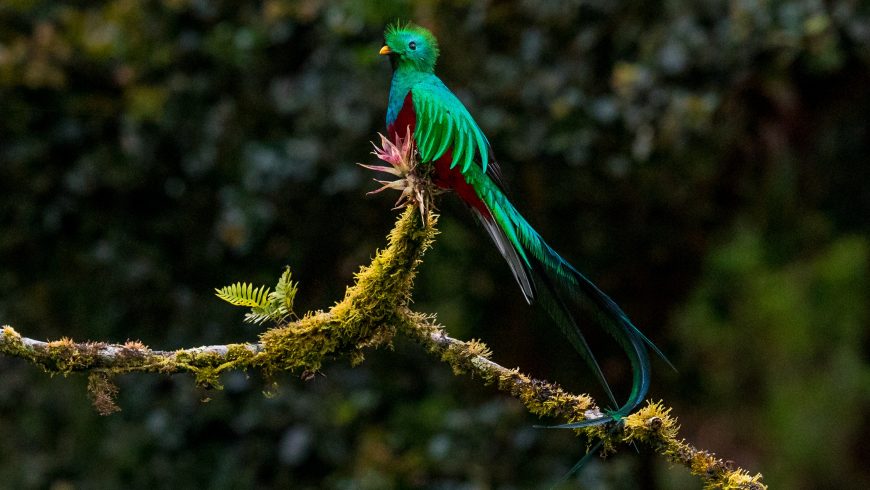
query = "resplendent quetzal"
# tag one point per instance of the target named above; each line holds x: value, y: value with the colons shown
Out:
x: 448, y: 138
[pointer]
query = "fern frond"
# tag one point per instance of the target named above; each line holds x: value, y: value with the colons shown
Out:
x: 265, y: 304
x: 244, y: 294
x: 285, y: 291
x: 258, y: 316
x: 279, y: 302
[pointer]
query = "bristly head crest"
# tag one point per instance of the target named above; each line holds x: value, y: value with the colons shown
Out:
x: 411, y: 46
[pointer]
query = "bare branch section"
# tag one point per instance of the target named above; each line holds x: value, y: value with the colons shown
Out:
x: 373, y: 310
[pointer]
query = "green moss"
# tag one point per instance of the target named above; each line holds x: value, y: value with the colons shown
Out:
x: 65, y: 356
x: 654, y: 426
x: 367, y: 316
x: 239, y: 352
x: 12, y: 344
x: 458, y: 358
x: 651, y: 423
x: 207, y: 377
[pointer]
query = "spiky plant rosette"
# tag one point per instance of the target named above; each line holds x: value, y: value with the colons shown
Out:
x: 412, y: 182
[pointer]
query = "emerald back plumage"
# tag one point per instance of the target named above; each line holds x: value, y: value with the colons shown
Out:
x: 447, y: 137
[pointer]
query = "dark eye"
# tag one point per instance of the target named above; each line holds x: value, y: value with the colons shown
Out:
x: 412, y: 45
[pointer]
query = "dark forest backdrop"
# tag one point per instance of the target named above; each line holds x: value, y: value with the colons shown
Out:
x: 705, y: 162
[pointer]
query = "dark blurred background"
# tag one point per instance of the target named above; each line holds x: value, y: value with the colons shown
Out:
x: 705, y: 162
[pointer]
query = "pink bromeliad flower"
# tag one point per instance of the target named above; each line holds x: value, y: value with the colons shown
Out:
x: 401, y: 154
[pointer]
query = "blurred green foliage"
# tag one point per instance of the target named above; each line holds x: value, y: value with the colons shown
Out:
x: 705, y: 162
x: 815, y: 311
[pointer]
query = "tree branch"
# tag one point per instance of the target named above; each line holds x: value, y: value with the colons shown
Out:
x: 373, y: 310
x: 652, y: 425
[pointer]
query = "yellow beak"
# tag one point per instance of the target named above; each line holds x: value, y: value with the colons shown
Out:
x: 385, y: 50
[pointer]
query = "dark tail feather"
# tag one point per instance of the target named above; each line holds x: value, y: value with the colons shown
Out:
x: 564, y: 291
x: 518, y: 267
x: 536, y: 284
x: 539, y: 281
x: 585, y: 291
x: 576, y: 292
x: 558, y: 310
x: 583, y: 461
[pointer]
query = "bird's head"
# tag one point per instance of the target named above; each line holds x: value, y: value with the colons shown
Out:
x: 410, y: 46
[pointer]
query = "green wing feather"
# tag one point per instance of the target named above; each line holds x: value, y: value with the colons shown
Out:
x: 444, y: 123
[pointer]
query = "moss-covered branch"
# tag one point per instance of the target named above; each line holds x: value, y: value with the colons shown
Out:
x: 373, y: 310
x: 652, y: 425
x: 366, y: 317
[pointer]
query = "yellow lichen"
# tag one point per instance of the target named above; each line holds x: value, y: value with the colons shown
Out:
x: 64, y: 356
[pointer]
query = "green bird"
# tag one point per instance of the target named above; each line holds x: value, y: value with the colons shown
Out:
x: 449, y: 140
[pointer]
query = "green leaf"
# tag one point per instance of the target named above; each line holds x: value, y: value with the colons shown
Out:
x: 244, y: 294
x: 265, y: 304
x: 285, y: 291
